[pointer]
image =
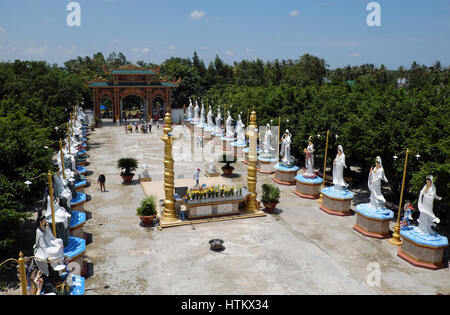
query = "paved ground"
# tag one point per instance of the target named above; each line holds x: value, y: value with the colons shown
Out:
x: 299, y: 250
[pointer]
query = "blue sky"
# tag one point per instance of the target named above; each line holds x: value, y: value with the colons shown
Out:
x: 153, y: 30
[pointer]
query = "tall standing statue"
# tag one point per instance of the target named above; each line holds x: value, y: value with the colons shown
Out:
x: 202, y: 123
x: 285, y: 151
x: 425, y: 205
x: 190, y: 110
x: 338, y: 169
x: 218, y: 132
x: 376, y: 175
x: 229, y: 126
x: 309, y: 159
x: 210, y: 125
x: 240, y: 131
x: 196, y: 112
x: 47, y: 247
x: 267, y: 147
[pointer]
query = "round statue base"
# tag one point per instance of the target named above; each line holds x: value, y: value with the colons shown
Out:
x: 373, y: 222
x: 422, y: 250
x: 308, y: 187
x: 267, y: 165
x: 337, y: 201
x: 285, y: 175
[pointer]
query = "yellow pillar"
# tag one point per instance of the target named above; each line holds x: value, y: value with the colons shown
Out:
x: 324, y: 168
x: 62, y: 159
x: 50, y: 192
x: 68, y: 136
x: 23, y: 276
x: 395, y: 240
x: 251, y: 167
x: 169, y: 213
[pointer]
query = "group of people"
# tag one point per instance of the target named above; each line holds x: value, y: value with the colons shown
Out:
x: 143, y: 126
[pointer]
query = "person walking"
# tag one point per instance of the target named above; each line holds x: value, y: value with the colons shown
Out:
x: 150, y: 125
x: 126, y: 128
x: 130, y: 128
x: 102, y: 181
x: 197, y: 177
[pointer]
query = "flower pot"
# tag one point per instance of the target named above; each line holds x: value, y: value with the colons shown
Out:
x: 227, y: 170
x: 127, y: 179
x: 147, y: 220
x: 270, y: 206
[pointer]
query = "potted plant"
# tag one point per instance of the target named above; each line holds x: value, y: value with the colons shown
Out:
x: 270, y: 196
x: 128, y: 166
x: 227, y: 159
x: 147, y: 210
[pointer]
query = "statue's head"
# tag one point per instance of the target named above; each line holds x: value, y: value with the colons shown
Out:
x: 378, y: 161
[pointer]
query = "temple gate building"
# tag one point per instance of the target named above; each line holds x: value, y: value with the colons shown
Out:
x: 133, y: 80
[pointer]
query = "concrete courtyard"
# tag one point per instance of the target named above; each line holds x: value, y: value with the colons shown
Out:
x: 298, y: 250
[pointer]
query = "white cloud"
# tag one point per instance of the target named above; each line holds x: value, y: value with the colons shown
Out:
x: 135, y: 50
x: 230, y: 53
x: 196, y: 15
x: 145, y: 50
x: 35, y: 50
x: 355, y: 54
x: 115, y: 41
x: 294, y: 13
x: 171, y: 48
x: 248, y: 50
x: 2, y: 30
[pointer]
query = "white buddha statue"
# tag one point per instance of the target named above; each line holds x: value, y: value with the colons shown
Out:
x: 190, y: 110
x: 376, y: 175
x: 285, y: 151
x: 196, y: 112
x: 427, y: 219
x: 61, y: 215
x: 338, y: 170
x: 229, y: 126
x: 47, y: 247
x: 267, y: 147
x: 218, y: 132
x: 309, y: 159
x: 202, y: 123
x: 240, y: 131
x: 210, y: 126
x: 62, y: 190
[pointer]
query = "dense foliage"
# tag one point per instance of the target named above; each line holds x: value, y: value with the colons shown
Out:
x: 364, y: 105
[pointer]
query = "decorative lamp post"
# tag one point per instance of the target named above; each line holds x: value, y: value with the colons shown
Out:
x: 62, y: 159
x: 22, y: 273
x: 68, y: 136
x: 169, y: 213
x: 395, y: 240
x: 251, y: 167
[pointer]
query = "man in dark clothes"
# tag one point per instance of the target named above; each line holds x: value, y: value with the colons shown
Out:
x: 102, y: 181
